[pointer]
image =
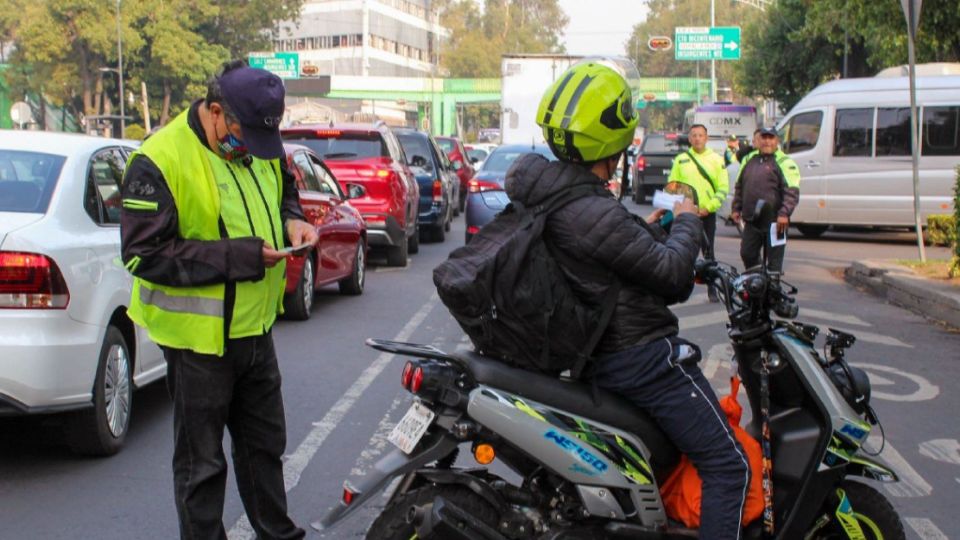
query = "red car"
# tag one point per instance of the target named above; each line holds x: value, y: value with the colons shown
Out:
x: 341, y: 254
x: 461, y: 163
x: 369, y: 163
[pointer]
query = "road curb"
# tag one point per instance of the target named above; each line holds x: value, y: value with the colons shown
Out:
x: 900, y: 286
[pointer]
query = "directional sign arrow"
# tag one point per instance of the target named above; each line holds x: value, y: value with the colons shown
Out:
x: 731, y: 45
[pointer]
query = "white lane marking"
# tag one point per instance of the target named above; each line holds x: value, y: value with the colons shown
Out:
x: 828, y: 316
x: 925, y: 389
x: 945, y: 450
x: 704, y: 319
x: 718, y: 355
x: 295, y: 463
x: 697, y: 300
x: 875, y: 338
x: 378, y: 442
x: 925, y: 529
x: 911, y: 484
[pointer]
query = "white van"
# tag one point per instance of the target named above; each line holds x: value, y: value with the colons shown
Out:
x: 851, y: 140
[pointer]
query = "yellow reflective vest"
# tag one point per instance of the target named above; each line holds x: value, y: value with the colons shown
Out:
x: 206, y: 190
x: 710, y: 192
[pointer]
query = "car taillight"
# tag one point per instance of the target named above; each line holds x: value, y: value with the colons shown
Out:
x: 641, y: 163
x: 473, y: 229
x: 417, y: 380
x: 31, y: 281
x: 476, y: 186
x: 437, y: 191
x: 407, y: 376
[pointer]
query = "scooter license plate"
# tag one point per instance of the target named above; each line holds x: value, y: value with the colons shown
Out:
x: 410, y: 429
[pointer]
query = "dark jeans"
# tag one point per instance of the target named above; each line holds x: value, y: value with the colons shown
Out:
x: 679, y: 398
x: 710, y: 231
x: 239, y: 391
x: 752, y: 242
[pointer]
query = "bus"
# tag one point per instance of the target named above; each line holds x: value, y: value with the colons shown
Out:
x: 723, y: 119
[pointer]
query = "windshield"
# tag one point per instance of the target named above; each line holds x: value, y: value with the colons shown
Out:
x: 477, y: 153
x: 501, y: 159
x: 341, y: 145
x: 417, y: 150
x: 27, y: 180
x: 659, y: 143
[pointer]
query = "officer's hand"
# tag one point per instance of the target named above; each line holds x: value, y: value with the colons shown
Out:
x: 735, y: 217
x: 656, y: 215
x: 704, y: 213
x: 271, y: 256
x: 300, y: 233
x: 685, y: 206
x: 782, y: 223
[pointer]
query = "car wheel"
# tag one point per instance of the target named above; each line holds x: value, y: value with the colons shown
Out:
x: 440, y: 233
x: 298, y: 304
x: 101, y: 430
x: 353, y: 285
x: 456, y: 208
x: 640, y: 194
x: 446, y: 226
x: 414, y: 243
x: 811, y: 231
x: 397, y: 255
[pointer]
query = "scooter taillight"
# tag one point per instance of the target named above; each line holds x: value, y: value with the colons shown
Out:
x: 407, y: 375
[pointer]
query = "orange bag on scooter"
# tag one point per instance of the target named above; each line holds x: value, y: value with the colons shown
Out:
x: 681, y: 492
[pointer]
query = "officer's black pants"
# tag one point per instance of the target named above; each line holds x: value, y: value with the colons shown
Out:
x: 682, y: 402
x: 239, y: 391
x: 709, y: 232
x: 752, y: 242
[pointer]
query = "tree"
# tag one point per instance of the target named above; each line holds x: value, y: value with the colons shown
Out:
x: 249, y: 25
x: 478, y: 39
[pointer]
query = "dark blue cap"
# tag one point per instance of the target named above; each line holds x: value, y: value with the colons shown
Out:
x: 769, y: 131
x: 255, y: 97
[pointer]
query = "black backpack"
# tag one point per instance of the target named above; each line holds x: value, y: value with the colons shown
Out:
x: 508, y: 293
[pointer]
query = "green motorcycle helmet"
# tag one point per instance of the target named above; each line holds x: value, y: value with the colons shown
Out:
x: 587, y: 115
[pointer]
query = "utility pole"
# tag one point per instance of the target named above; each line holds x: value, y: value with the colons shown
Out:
x: 713, y: 63
x: 911, y: 8
x: 145, y: 105
x: 123, y: 119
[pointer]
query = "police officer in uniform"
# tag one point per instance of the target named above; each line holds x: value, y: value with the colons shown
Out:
x: 206, y: 212
x: 770, y: 175
x: 703, y: 171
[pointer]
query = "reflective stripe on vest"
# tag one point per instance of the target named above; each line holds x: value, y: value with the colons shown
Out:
x: 181, y: 304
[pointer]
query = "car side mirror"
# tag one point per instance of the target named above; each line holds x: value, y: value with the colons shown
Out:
x: 354, y: 191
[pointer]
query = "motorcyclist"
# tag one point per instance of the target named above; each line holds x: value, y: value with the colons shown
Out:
x: 588, y: 120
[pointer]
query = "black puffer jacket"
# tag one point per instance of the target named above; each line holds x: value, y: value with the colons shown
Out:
x: 655, y: 269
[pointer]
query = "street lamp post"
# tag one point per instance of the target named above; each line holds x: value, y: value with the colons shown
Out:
x: 123, y: 121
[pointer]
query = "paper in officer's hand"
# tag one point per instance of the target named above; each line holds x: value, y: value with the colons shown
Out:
x: 775, y: 238
x: 666, y: 200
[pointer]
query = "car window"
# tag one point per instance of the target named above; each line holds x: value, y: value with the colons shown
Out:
x: 27, y: 180
x: 477, y: 153
x: 310, y: 180
x: 501, y: 159
x: 328, y: 184
x: 853, y: 133
x: 447, y: 144
x: 336, y: 144
x: 417, y: 149
x: 893, y: 131
x: 658, y: 143
x: 102, y: 198
x: 941, y: 131
x: 802, y: 132
x: 441, y: 155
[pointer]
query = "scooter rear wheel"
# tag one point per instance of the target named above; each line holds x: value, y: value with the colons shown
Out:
x: 874, y: 513
x: 392, y: 524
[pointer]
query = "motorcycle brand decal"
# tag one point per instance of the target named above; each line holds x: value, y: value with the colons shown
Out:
x: 847, y: 519
x: 569, y: 444
x: 530, y: 411
x: 856, y: 432
x: 580, y: 469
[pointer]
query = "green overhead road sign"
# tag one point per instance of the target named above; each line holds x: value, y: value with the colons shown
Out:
x: 285, y: 65
x: 705, y: 43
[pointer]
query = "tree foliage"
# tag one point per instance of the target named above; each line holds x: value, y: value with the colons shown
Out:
x: 478, y: 38
x: 65, y: 49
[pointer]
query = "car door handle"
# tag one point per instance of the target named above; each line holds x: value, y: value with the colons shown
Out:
x: 812, y: 164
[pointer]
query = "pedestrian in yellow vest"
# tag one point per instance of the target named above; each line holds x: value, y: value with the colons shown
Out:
x: 704, y: 172
x: 207, y: 209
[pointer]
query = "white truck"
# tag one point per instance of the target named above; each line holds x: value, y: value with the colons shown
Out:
x: 525, y: 77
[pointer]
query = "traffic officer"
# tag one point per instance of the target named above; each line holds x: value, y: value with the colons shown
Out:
x: 730, y: 154
x: 703, y: 171
x: 770, y: 175
x: 206, y: 213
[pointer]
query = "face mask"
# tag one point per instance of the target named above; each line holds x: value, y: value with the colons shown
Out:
x: 231, y: 147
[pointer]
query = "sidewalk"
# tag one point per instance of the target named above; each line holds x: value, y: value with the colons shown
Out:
x: 901, y: 286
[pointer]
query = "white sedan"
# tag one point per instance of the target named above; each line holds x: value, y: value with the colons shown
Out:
x: 66, y: 343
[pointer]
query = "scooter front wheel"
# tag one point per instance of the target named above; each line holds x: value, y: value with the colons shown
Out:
x: 876, y: 516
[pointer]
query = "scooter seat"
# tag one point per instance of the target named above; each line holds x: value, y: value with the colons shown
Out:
x: 578, y: 398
